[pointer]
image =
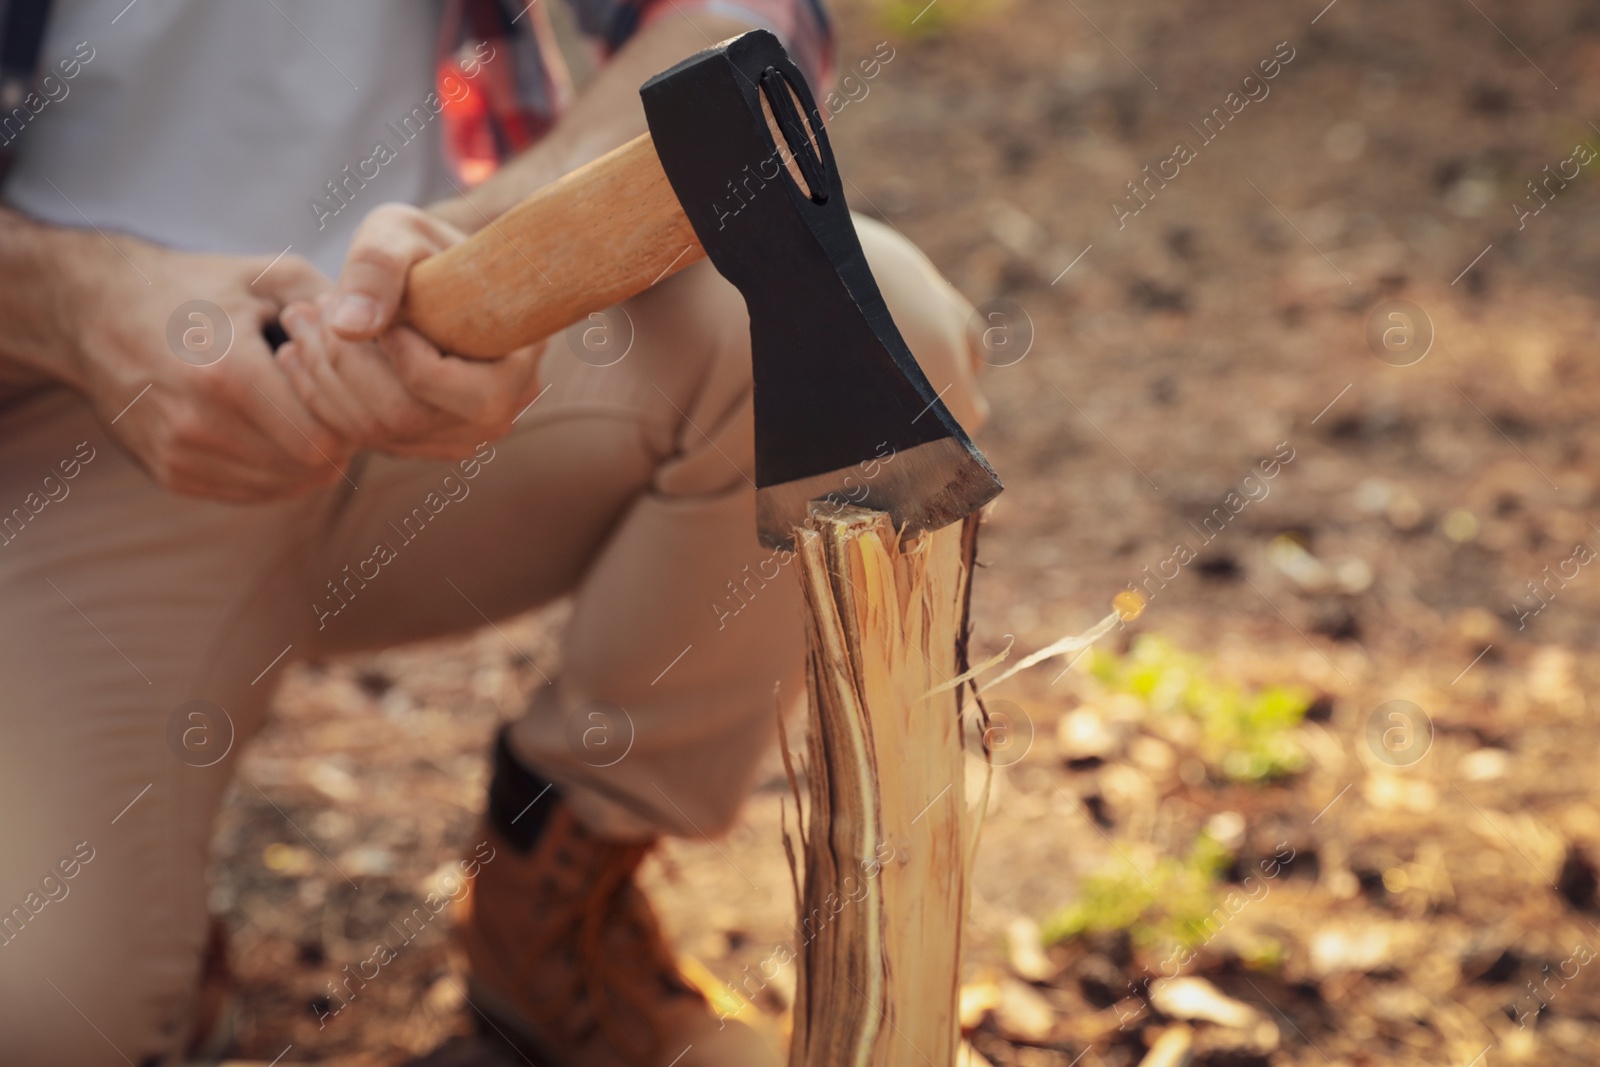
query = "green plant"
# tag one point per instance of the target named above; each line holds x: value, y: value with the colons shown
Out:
x: 911, y: 18
x: 1244, y: 735
x: 1164, y: 906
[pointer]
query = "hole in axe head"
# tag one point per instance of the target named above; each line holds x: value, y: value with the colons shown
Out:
x: 803, y: 160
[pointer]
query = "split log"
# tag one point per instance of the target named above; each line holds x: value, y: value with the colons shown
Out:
x: 885, y: 830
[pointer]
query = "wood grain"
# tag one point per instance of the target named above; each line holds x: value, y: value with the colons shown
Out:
x: 595, y: 237
x: 887, y: 837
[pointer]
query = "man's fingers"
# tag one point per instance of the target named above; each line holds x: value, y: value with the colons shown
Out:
x: 370, y: 286
x: 287, y: 279
x: 202, y: 451
x: 263, y: 395
x: 482, y: 391
x: 328, y: 400
x: 370, y: 376
x: 361, y: 381
x: 305, y: 362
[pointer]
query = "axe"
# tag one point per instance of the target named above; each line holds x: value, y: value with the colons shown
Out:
x: 737, y: 167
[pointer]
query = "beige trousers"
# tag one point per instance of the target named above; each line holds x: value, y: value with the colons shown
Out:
x: 626, y: 486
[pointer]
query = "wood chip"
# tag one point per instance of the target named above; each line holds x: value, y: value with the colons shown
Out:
x: 1171, y: 1049
x: 1023, y: 1014
x: 1025, y: 951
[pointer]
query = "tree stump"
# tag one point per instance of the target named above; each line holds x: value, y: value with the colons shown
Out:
x: 885, y: 831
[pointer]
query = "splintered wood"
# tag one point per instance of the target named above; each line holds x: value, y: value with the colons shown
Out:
x: 885, y: 833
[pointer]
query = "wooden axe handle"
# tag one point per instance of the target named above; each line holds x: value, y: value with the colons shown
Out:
x: 607, y: 231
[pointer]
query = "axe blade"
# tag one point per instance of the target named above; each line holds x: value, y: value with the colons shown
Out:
x: 923, y: 488
x: 843, y: 413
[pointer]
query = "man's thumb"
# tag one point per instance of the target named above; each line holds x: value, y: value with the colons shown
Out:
x: 368, y: 293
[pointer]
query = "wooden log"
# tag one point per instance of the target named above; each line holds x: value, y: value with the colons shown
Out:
x: 885, y: 832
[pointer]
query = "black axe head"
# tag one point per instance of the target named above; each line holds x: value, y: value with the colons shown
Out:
x: 842, y: 411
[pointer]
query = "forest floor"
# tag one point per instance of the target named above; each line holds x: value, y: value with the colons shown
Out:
x: 1332, y: 779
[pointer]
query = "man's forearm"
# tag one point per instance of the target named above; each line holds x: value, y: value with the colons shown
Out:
x: 607, y: 114
x: 40, y: 266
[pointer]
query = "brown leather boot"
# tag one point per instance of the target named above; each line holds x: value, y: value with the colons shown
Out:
x: 568, y: 959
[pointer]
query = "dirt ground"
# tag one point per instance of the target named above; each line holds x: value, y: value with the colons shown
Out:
x: 1416, y: 883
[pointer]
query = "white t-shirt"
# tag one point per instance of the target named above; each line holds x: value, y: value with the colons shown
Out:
x: 213, y: 125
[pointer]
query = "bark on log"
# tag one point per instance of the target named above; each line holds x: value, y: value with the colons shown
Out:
x: 885, y: 832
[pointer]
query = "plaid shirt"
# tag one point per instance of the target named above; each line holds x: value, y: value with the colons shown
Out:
x: 503, y: 51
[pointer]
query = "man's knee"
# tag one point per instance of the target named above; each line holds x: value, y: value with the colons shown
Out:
x: 932, y: 316
x: 693, y: 342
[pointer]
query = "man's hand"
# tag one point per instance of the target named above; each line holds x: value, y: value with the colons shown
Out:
x: 384, y: 386
x: 231, y: 430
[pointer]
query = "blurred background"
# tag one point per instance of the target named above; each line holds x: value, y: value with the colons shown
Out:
x: 1290, y: 321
